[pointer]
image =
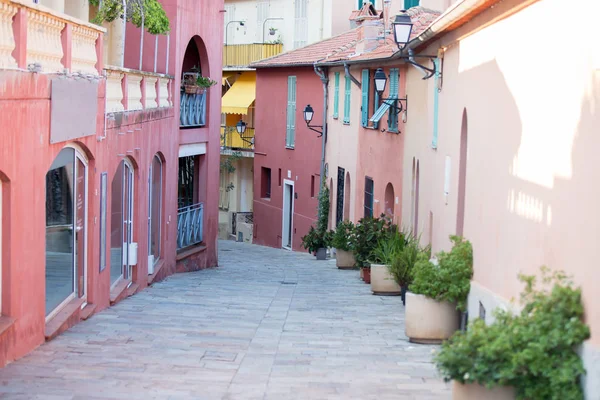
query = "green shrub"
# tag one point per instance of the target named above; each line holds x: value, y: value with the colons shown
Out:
x: 342, y: 237
x: 533, y: 351
x: 402, y: 265
x: 150, y: 12
x: 367, y: 234
x: 319, y: 238
x: 449, y: 281
x: 387, y: 248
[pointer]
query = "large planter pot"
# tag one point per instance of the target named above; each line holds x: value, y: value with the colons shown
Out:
x: 429, y: 321
x: 322, y: 254
x: 382, y: 282
x: 344, y: 259
x: 366, y: 274
x: 474, y: 391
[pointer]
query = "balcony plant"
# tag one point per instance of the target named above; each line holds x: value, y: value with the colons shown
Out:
x: 438, y: 292
x: 367, y: 234
x: 317, y: 240
x: 342, y: 242
x: 530, y: 355
x: 194, y: 83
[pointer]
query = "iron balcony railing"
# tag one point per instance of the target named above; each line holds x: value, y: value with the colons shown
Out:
x: 232, y: 140
x: 189, y: 225
x: 192, y: 109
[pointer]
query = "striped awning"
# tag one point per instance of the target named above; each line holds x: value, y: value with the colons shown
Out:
x: 383, y: 108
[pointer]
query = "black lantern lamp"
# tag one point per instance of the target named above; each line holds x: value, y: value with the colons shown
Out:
x: 241, y: 129
x: 402, y: 30
x: 309, y: 113
x: 380, y: 81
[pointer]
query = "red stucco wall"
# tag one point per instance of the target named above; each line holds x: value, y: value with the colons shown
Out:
x: 270, y: 151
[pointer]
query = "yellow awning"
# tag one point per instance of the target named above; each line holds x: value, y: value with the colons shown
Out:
x: 227, y: 75
x: 241, y: 95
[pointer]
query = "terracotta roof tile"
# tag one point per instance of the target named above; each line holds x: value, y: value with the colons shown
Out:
x: 312, y: 53
x: 343, y: 47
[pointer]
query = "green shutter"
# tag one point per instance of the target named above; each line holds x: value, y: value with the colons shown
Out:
x: 347, y: 91
x: 360, y: 4
x: 291, y: 113
x: 410, y: 3
x: 392, y: 115
x: 364, y: 108
x: 336, y: 96
x: 436, y: 100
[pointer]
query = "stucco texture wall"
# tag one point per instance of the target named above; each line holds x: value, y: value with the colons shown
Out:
x: 530, y: 198
x: 301, y: 163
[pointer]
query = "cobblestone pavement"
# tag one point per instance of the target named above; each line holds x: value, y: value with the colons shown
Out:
x: 267, y: 324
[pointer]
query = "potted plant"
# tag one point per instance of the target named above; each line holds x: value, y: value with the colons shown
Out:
x: 272, y: 31
x: 530, y: 355
x: 194, y: 83
x: 438, y: 293
x: 367, y: 233
x: 317, y: 240
x: 342, y: 242
x: 402, y: 265
x: 388, y: 248
x: 204, y: 83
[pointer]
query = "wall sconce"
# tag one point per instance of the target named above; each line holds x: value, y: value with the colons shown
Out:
x: 308, y: 116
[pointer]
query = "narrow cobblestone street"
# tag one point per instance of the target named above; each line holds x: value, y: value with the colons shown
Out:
x: 267, y: 324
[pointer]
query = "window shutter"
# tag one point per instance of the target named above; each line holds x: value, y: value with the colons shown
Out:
x: 336, y: 96
x: 410, y: 3
x: 291, y: 113
x: 347, y: 90
x: 300, y: 24
x: 360, y: 4
x: 436, y: 100
x: 392, y: 116
x: 365, y: 98
x: 375, y: 108
x: 262, y: 13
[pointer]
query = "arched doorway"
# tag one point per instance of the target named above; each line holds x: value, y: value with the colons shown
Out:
x: 155, y: 190
x: 416, y: 197
x: 121, y: 222
x: 389, y: 200
x: 66, y: 215
x: 462, y: 176
x: 347, y: 194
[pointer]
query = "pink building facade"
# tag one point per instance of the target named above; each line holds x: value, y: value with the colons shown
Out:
x: 107, y: 181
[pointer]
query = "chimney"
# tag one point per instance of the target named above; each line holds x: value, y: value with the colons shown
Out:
x: 386, y: 16
x: 368, y: 36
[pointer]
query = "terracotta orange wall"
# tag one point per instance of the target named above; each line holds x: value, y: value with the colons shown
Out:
x: 302, y: 162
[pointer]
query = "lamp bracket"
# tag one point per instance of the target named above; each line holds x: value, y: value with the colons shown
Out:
x: 312, y: 128
x: 431, y: 71
x: 396, y: 108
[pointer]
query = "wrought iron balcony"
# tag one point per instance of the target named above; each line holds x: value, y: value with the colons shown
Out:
x: 232, y: 140
x: 244, y: 54
x: 190, y: 225
x: 193, y: 109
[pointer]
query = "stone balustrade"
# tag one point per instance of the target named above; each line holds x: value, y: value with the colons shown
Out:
x: 132, y: 90
x: 37, y: 37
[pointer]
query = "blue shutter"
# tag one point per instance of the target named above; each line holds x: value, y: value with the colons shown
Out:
x: 360, y: 4
x: 291, y: 113
x: 347, y: 91
x: 365, y: 98
x: 392, y: 115
x: 410, y: 3
x: 375, y: 108
x: 336, y: 96
x: 436, y: 100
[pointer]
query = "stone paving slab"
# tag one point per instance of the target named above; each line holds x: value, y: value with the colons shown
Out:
x: 266, y: 324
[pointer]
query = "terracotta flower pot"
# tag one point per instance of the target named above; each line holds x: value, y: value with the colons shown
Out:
x: 474, y: 391
x: 366, y: 274
x: 344, y: 259
x: 429, y: 321
x: 382, y: 282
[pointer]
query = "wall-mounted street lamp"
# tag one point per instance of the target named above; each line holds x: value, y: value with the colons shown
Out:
x: 380, y: 82
x: 240, y: 127
x: 402, y: 29
x: 308, y: 116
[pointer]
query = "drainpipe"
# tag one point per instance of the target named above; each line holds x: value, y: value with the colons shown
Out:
x: 411, y: 57
x: 322, y: 73
x: 349, y: 75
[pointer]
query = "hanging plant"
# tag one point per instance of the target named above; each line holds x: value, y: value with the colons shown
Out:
x: 148, y: 13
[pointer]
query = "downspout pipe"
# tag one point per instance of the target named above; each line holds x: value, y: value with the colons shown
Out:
x: 323, y: 74
x: 349, y: 75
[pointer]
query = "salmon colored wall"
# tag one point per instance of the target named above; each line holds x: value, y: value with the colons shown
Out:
x: 26, y: 131
x: 364, y: 151
x: 530, y: 193
x: 303, y: 161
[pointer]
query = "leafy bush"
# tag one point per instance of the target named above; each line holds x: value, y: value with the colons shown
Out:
x: 206, y: 82
x: 342, y: 237
x: 319, y: 238
x: 449, y: 281
x: 534, y: 351
x: 150, y: 12
x: 402, y: 265
x: 367, y: 234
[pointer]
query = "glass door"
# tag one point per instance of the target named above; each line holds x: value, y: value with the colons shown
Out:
x: 121, y: 222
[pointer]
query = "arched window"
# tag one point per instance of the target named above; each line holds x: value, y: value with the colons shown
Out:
x: 389, y: 200
x: 155, y: 189
x: 121, y: 221
x: 462, y: 176
x: 347, y: 197
x: 66, y: 215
